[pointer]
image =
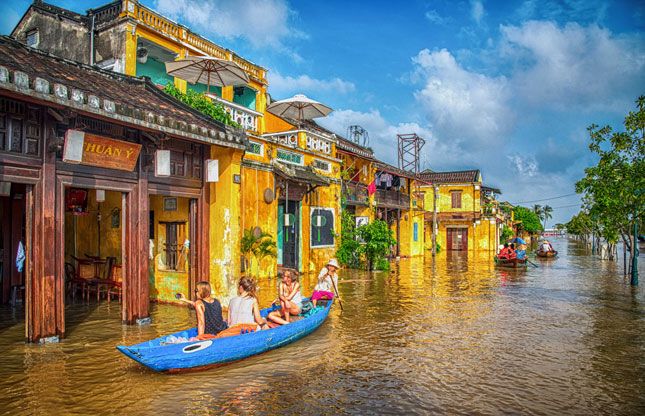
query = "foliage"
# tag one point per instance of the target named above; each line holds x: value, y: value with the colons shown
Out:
x: 546, y: 214
x: 529, y: 220
x: 378, y: 239
x: 201, y: 103
x: 367, y: 245
x: 613, y: 188
x: 260, y: 246
x: 507, y: 233
x: 580, y: 225
x: 560, y: 226
x: 348, y: 249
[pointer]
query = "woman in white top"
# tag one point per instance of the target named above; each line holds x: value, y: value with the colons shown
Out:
x: 290, y: 299
x: 244, y: 309
x: 327, y: 282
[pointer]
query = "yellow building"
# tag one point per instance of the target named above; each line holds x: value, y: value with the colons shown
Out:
x: 357, y: 173
x: 399, y: 201
x: 467, y: 214
x: 127, y: 37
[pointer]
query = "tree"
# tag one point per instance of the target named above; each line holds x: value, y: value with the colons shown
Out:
x: 613, y: 189
x: 546, y: 214
x: 260, y: 245
x: 537, y: 208
x: 580, y: 225
x: 529, y: 220
x: 378, y: 238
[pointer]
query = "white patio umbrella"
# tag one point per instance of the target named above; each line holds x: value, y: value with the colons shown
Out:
x: 299, y: 107
x: 207, y: 70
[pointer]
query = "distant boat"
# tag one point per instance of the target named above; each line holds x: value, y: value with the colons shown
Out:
x: 511, y: 263
x: 191, y: 355
x: 546, y: 254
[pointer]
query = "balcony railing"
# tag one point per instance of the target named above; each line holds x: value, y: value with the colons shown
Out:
x: 243, y: 116
x: 355, y: 193
x: 180, y: 33
x: 394, y: 199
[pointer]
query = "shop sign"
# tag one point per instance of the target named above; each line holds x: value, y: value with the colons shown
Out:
x: 94, y: 150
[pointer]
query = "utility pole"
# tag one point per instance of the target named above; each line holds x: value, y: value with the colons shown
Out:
x: 634, y: 280
x: 435, y: 188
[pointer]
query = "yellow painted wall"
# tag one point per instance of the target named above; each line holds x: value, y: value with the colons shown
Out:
x: 274, y: 124
x: 164, y: 284
x: 225, y: 224
x: 256, y: 212
x: 313, y: 259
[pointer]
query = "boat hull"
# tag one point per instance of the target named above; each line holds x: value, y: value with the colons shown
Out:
x: 546, y: 254
x: 511, y: 263
x: 161, y: 357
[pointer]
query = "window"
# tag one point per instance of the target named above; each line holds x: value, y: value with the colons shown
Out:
x: 174, y: 248
x: 322, y: 227
x: 415, y: 231
x: 33, y: 38
x: 456, y: 199
x: 290, y: 157
x: 255, y: 148
x: 322, y: 165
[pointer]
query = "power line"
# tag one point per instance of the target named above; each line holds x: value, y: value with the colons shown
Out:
x: 544, y: 199
x: 567, y: 206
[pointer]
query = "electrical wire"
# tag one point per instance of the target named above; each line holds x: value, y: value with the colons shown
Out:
x: 544, y: 199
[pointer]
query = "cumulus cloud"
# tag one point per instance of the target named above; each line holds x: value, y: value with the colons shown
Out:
x: 523, y: 165
x: 262, y: 23
x: 282, y: 86
x: 573, y: 65
x: 462, y: 104
x: 434, y: 17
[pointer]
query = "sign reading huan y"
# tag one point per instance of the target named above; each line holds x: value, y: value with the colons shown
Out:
x: 94, y: 150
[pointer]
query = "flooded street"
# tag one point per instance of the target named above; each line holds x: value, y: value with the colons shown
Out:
x: 455, y: 336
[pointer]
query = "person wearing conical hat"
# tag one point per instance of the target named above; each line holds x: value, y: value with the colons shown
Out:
x: 327, y: 282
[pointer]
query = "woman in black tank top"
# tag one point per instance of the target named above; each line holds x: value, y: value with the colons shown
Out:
x: 208, y: 310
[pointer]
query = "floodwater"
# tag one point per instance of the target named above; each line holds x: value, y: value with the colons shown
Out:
x: 455, y: 336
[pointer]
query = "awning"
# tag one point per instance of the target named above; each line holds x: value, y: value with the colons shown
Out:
x: 299, y: 174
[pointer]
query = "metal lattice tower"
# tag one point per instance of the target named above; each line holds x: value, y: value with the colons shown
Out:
x: 358, y: 135
x: 410, y: 146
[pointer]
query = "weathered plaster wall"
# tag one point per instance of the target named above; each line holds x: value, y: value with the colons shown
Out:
x: 65, y: 38
x: 256, y: 212
x: 225, y: 224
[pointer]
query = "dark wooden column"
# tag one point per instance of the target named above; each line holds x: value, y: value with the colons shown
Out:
x: 135, y: 244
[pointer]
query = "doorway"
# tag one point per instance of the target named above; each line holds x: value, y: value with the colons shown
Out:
x: 93, y: 248
x: 457, y: 239
x: 288, y: 233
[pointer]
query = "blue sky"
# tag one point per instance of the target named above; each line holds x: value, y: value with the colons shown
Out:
x: 505, y: 87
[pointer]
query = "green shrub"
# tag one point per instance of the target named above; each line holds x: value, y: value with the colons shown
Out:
x: 201, y: 103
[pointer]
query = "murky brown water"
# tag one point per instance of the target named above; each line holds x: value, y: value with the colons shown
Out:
x: 454, y: 337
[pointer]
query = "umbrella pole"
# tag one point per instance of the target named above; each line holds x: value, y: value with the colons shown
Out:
x: 208, y: 84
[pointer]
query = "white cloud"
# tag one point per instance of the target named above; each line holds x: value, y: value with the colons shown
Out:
x: 434, y: 17
x: 573, y: 65
x: 476, y: 10
x: 462, y: 104
x: 263, y: 23
x: 283, y: 86
x: 523, y: 165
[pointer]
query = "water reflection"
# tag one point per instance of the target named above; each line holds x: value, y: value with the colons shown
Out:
x: 453, y: 335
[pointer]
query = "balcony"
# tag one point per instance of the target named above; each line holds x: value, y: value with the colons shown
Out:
x: 392, y: 199
x: 355, y: 193
x: 243, y: 116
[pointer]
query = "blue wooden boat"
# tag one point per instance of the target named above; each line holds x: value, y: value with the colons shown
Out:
x: 161, y: 356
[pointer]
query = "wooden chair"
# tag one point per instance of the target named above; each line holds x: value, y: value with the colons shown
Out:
x: 116, y: 287
x: 72, y: 281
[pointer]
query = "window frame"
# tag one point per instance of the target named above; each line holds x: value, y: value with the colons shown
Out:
x: 31, y: 33
x: 453, y: 194
x: 332, y: 228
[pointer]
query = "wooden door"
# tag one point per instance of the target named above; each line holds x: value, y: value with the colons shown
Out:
x: 457, y: 238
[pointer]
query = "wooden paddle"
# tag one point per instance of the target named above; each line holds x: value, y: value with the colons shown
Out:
x: 337, y: 295
x: 530, y: 262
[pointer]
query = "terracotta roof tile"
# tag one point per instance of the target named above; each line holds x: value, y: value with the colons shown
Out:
x: 133, y: 97
x: 462, y: 176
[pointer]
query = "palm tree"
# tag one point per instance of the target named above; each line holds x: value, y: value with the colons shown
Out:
x: 546, y: 214
x: 260, y: 245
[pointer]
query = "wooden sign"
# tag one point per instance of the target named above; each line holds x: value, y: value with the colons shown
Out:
x: 101, y: 151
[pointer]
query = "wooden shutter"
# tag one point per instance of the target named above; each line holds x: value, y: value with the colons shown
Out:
x: 456, y: 199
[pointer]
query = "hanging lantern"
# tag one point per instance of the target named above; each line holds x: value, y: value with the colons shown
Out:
x: 162, y: 163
